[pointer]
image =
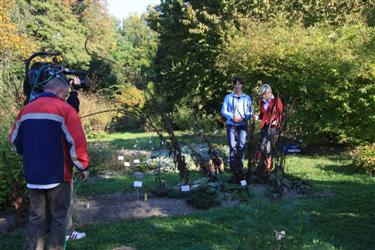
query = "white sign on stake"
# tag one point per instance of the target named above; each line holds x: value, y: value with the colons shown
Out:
x: 127, y: 164
x: 243, y: 183
x: 137, y: 184
x: 120, y: 157
x: 185, y: 188
x: 136, y: 161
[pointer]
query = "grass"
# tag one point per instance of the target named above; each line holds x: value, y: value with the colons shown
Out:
x: 344, y: 220
x: 149, y: 140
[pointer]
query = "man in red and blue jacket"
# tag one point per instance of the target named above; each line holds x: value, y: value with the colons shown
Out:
x: 49, y: 135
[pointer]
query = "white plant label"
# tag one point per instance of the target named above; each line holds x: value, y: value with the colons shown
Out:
x: 243, y: 183
x: 136, y: 161
x: 137, y: 184
x: 185, y: 188
x: 120, y: 157
x: 127, y: 164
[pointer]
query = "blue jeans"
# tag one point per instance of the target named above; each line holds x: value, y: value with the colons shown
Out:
x: 236, y: 140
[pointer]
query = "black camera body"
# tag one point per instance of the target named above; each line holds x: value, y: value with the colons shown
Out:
x: 40, y: 73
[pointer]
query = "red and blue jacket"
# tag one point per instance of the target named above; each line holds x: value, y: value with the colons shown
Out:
x: 49, y: 135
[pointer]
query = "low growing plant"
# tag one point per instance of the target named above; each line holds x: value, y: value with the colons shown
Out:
x: 364, y: 158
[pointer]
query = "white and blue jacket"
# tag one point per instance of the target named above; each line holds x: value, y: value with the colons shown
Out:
x: 234, y: 105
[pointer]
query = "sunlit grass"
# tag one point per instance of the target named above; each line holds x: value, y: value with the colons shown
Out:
x: 149, y: 140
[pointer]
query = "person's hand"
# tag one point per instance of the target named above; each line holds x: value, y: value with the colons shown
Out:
x: 84, y: 175
x: 237, y: 119
x: 274, y: 123
x: 76, y: 82
x: 256, y: 117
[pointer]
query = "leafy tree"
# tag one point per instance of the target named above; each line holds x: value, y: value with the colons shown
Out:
x: 328, y: 68
x: 319, y: 51
x: 12, y: 43
x: 333, y: 12
x: 190, y: 34
x: 136, y: 47
x: 55, y: 29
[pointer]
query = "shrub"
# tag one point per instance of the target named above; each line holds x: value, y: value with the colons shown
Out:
x: 93, y: 121
x: 128, y: 98
x: 364, y: 158
x: 204, y: 194
x: 13, y: 191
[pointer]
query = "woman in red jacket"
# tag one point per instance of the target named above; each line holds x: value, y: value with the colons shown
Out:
x: 271, y: 110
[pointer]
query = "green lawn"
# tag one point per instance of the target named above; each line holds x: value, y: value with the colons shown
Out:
x: 345, y: 219
x: 149, y: 140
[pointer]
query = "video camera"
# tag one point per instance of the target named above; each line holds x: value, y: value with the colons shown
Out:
x: 40, y: 73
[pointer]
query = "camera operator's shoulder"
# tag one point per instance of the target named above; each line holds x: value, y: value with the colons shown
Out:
x: 68, y: 108
x: 60, y: 106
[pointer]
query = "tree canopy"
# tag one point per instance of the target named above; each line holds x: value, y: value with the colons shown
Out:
x: 320, y: 52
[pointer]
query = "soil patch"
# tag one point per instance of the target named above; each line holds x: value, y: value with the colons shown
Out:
x: 116, y: 206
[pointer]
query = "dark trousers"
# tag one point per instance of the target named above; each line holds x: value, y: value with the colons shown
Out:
x: 48, y: 216
x: 266, y: 136
x: 236, y: 139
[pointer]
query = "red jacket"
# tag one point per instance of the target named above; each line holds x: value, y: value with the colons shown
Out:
x: 273, y: 112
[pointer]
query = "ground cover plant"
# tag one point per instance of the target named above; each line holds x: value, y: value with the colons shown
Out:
x: 338, y: 214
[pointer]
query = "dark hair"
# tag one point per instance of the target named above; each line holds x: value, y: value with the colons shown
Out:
x: 238, y: 79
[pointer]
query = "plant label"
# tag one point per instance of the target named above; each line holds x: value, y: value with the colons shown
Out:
x: 243, y: 183
x: 185, y: 188
x: 127, y: 164
x: 137, y: 184
x: 120, y: 157
x: 136, y: 161
x: 139, y: 175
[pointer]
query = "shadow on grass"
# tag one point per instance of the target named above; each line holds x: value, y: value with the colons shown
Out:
x: 347, y: 169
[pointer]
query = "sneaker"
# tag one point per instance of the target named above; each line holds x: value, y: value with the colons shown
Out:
x: 75, y: 235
